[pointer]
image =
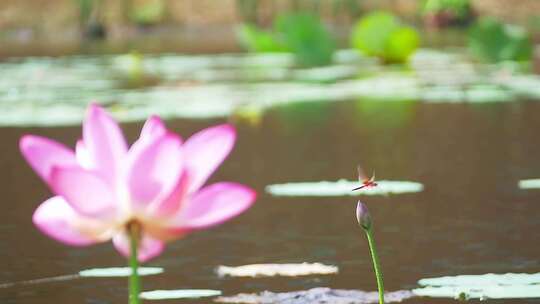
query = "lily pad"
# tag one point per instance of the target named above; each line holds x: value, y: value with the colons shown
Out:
x: 317, y: 295
x: 271, y: 270
x: 119, y: 272
x: 55, y: 91
x: 486, y: 286
x: 527, y: 86
x: 484, y: 279
x: 342, y: 188
x: 179, y: 294
x: 529, y: 183
x: 486, y: 292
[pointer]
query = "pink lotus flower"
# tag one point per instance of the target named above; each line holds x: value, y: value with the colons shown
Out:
x: 103, y: 186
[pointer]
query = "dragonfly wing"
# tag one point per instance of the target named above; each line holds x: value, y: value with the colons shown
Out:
x: 372, y: 179
x: 361, y: 175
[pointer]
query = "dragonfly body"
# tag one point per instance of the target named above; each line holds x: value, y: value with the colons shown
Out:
x: 365, y: 182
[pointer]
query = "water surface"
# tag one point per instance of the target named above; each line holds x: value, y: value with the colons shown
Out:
x: 470, y: 219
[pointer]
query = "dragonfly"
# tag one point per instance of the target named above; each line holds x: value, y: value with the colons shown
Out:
x: 366, y: 182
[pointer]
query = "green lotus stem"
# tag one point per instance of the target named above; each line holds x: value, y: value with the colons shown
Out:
x: 134, y: 279
x: 364, y: 220
x: 376, y: 264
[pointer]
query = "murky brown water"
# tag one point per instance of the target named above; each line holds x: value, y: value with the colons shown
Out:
x: 471, y: 218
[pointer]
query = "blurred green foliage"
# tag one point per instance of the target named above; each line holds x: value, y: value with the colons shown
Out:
x: 351, y: 7
x: 534, y: 23
x: 85, y: 9
x: 302, y: 34
x: 305, y: 35
x: 457, y: 8
x: 90, y: 15
x: 493, y: 41
x: 382, y: 35
x: 247, y: 9
x: 252, y: 10
x: 260, y: 41
x: 151, y: 12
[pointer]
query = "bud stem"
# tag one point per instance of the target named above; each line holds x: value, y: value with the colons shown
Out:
x: 376, y: 263
x: 134, y: 231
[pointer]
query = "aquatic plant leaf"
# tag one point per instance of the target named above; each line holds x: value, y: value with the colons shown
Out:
x: 483, y: 279
x: 55, y: 91
x: 402, y: 43
x: 483, y: 292
x: 372, y: 32
x: 382, y: 35
x: 492, y: 41
x: 529, y: 183
x: 272, y: 270
x: 119, y: 272
x: 318, y: 295
x: 342, y: 188
x: 221, y: 100
x: 301, y: 34
x: 328, y: 73
x: 527, y: 86
x: 255, y: 39
x: 486, y: 286
x: 179, y: 294
x: 304, y: 34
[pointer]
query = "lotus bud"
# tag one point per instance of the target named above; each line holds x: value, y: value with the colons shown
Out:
x: 363, y: 216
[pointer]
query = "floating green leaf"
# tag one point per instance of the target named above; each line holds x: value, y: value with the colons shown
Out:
x: 305, y: 35
x: 119, y: 272
x: 486, y: 286
x: 342, y: 188
x: 382, y: 35
x: 529, y: 183
x: 258, y: 40
x: 301, y: 34
x: 179, y: 294
x: 492, y: 41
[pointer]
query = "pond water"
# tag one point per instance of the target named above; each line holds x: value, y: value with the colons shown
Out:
x: 436, y: 127
x: 471, y: 218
